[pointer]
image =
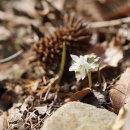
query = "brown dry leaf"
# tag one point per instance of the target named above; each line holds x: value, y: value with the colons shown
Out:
x: 3, y: 122
x: 4, y: 33
x: 120, y: 93
x: 110, y: 53
x: 25, y: 7
x: 14, y: 114
x: 59, y: 4
x: 15, y: 21
x: 114, y: 52
x: 109, y: 72
x: 98, y: 49
x: 89, y: 8
x: 27, y: 101
x: 41, y: 109
x: 113, y: 8
x: 80, y: 94
x: 32, y: 85
x: 100, y: 9
x: 12, y: 72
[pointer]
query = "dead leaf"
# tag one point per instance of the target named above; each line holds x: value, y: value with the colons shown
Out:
x: 109, y: 72
x: 114, y: 52
x: 59, y: 4
x: 27, y: 101
x: 3, y: 122
x: 110, y: 53
x: 41, y: 109
x: 4, y: 33
x: 100, y: 9
x: 14, y: 72
x: 32, y: 85
x: 80, y: 94
x: 14, y: 114
x: 98, y: 49
x: 25, y: 7
x: 120, y: 92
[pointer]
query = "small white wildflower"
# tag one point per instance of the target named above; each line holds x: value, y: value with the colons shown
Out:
x: 93, y: 60
x: 83, y: 64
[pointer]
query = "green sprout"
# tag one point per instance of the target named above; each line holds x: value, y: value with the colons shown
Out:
x: 62, y: 64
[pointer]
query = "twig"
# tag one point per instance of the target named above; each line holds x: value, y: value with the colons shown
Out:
x: 11, y: 57
x: 113, y: 82
x: 53, y: 80
x: 109, y: 23
x: 47, y: 115
x: 57, y: 79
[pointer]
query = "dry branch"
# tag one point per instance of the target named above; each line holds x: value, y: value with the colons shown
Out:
x: 110, y: 23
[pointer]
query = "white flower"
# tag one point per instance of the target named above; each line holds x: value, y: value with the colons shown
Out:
x: 93, y: 60
x: 83, y: 64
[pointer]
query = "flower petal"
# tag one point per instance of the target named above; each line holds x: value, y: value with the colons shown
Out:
x: 87, y: 65
x: 74, y: 67
x: 81, y: 60
x: 85, y: 57
x: 75, y: 58
x: 94, y: 66
x: 82, y: 72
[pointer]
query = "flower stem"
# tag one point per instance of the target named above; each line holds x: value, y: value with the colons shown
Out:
x: 62, y: 65
x: 89, y: 79
x: 99, y: 77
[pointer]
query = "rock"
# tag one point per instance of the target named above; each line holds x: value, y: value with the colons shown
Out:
x: 123, y: 119
x: 79, y: 116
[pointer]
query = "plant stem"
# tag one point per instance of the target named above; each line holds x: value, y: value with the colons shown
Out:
x: 99, y: 77
x: 11, y: 57
x: 62, y: 64
x: 89, y: 79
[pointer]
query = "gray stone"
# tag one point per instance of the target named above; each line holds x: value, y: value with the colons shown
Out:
x: 79, y: 116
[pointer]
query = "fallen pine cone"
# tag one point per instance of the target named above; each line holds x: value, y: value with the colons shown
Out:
x: 74, y: 33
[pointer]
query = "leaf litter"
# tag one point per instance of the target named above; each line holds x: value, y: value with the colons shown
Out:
x: 39, y: 81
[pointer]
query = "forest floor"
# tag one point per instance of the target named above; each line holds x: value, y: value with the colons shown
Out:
x: 37, y: 38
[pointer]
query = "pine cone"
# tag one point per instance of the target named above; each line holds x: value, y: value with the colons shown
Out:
x: 73, y: 32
